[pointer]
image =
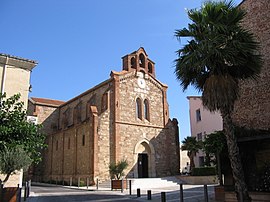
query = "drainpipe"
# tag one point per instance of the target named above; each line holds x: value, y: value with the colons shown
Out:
x: 4, y: 77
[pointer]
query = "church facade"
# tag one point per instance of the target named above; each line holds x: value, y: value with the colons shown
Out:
x: 124, y: 117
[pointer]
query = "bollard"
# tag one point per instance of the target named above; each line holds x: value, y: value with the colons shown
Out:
x: 205, y: 193
x: 19, y: 193
x: 70, y: 181
x: 97, y: 183
x: 87, y: 182
x: 163, y: 196
x: 130, y: 187
x: 149, y: 196
x: 181, y: 193
x: 241, y: 197
x: 25, y: 191
x: 79, y: 179
x: 122, y: 184
x: 138, y: 193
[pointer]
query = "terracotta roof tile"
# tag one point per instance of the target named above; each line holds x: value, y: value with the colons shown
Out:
x: 47, y: 101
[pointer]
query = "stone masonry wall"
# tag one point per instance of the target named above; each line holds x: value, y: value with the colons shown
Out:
x: 73, y: 156
x: 252, y: 110
x: 135, y: 132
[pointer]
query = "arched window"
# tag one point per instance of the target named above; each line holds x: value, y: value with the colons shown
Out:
x: 142, y: 60
x: 150, y: 68
x: 139, y: 108
x: 133, y: 62
x: 69, y: 143
x: 56, y: 147
x: 146, y: 110
x: 83, y: 140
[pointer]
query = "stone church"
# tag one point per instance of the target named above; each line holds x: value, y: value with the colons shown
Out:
x: 124, y: 117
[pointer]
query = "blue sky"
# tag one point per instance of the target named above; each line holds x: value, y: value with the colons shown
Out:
x: 77, y: 43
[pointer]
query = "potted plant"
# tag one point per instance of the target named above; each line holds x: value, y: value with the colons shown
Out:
x: 117, y: 172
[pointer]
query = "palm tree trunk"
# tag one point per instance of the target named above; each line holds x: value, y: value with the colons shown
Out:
x: 235, y: 159
x: 192, y: 164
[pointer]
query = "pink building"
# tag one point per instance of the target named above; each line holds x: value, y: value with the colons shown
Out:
x: 202, y: 122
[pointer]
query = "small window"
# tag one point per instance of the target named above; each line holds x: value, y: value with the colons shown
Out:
x: 139, y: 108
x: 146, y: 110
x: 83, y: 140
x: 199, y: 137
x: 69, y: 143
x: 198, y: 115
x: 56, y: 146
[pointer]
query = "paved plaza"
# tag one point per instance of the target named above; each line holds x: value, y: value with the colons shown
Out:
x: 56, y: 193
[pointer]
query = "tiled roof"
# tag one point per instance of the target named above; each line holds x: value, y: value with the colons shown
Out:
x: 47, y: 101
x: 18, y: 58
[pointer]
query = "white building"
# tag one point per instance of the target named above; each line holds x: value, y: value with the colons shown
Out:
x: 15, y: 75
x: 202, y: 122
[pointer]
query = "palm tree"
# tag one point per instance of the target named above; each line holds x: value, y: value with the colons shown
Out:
x: 192, y: 146
x: 218, y: 55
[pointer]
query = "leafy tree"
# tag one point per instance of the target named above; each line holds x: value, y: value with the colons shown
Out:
x: 13, y: 159
x: 192, y: 146
x: 16, y: 130
x: 218, y: 55
x: 214, y: 144
x: 117, y: 169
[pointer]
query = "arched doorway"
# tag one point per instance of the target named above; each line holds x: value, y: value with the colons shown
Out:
x: 142, y: 165
x: 144, y: 157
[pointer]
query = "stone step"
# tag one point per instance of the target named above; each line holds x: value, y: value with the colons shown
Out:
x: 146, y: 183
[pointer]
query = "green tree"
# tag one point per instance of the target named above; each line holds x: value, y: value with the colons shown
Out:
x: 16, y: 130
x: 192, y: 146
x: 214, y: 144
x: 13, y: 159
x: 218, y: 55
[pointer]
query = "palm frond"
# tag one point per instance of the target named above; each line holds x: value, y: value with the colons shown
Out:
x: 220, y: 53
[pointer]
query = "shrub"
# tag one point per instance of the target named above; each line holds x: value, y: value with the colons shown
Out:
x: 117, y: 169
x: 204, y: 171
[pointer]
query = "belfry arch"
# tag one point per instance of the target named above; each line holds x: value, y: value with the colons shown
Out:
x: 144, y: 159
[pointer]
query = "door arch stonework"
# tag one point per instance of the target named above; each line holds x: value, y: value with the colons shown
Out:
x: 145, y: 147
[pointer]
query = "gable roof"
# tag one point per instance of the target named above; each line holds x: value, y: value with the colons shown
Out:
x: 45, y: 101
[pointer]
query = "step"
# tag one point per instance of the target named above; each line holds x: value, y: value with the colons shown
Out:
x: 146, y: 183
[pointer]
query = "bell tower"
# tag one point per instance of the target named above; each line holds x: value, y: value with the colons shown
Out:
x: 139, y: 61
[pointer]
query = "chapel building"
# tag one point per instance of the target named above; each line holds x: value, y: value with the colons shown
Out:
x: 124, y: 117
